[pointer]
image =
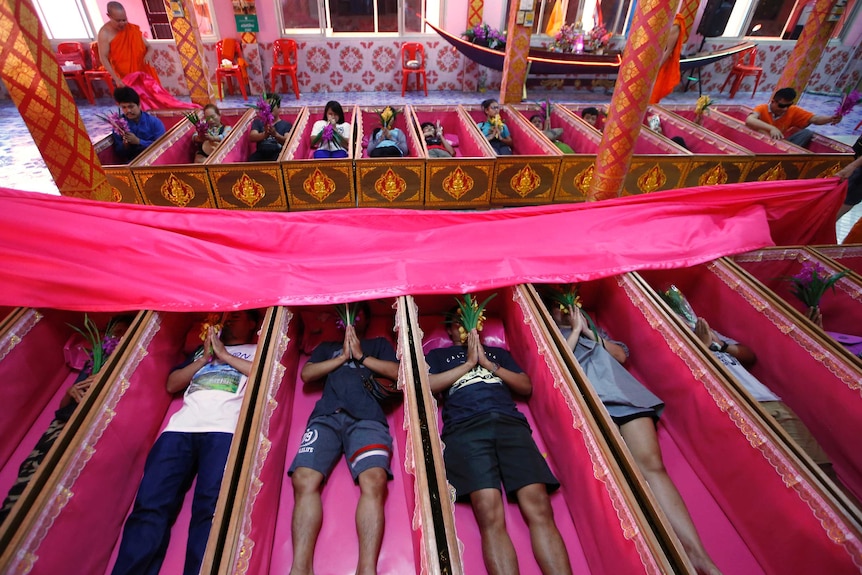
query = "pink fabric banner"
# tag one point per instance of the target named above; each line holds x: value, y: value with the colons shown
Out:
x: 95, y: 256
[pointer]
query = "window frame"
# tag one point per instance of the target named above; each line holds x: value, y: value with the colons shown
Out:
x: 324, y: 28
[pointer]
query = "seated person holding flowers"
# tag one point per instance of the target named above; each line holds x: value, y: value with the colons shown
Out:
x: 268, y: 130
x: 494, y: 130
x: 438, y: 146
x: 139, y: 129
x: 386, y: 140
x: 207, y: 141
x: 331, y: 135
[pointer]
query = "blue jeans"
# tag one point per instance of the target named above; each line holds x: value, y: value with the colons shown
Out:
x: 327, y: 154
x: 171, y: 467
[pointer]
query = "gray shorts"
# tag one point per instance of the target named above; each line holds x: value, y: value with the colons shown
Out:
x: 366, y: 443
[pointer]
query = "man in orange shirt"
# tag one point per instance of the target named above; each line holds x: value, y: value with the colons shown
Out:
x: 123, y: 47
x: 781, y: 119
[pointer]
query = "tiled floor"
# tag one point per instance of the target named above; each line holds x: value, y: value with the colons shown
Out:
x: 22, y: 167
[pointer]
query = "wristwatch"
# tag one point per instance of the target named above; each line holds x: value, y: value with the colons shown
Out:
x: 714, y: 346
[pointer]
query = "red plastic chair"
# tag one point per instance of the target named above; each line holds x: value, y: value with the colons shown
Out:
x: 98, y: 72
x: 745, y: 65
x: 234, y: 72
x: 413, y: 62
x: 73, y: 52
x: 284, y: 63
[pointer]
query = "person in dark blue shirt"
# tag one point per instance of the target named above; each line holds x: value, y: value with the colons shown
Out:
x: 144, y: 129
x: 489, y: 442
x: 346, y: 420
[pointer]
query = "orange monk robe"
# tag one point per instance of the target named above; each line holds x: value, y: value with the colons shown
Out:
x: 668, y: 75
x: 127, y: 52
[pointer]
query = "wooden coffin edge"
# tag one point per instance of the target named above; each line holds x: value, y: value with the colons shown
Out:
x: 227, y: 549
x: 831, y: 253
x: 361, y: 165
x: 851, y: 284
x: 15, y: 326
x: 652, y: 523
x: 45, y: 494
x: 434, y: 506
x: 741, y: 152
x: 825, y: 500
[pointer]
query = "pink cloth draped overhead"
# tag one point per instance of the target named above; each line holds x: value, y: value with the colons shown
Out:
x: 84, y: 255
x: 153, y: 95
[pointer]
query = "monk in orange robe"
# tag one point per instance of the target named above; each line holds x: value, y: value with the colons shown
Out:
x: 668, y: 74
x: 123, y: 47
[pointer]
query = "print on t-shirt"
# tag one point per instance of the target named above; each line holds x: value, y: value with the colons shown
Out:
x: 217, y: 376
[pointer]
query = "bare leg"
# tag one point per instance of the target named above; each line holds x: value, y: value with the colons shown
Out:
x: 640, y: 436
x: 497, y: 549
x: 307, y: 518
x: 370, y: 518
x: 548, y: 546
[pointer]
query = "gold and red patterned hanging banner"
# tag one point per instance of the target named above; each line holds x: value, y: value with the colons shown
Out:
x: 191, y: 49
x: 475, y: 8
x: 688, y: 9
x: 638, y: 71
x: 38, y: 88
x: 809, y: 47
x: 515, y: 64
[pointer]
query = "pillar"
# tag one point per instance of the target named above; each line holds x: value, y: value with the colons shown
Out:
x: 809, y: 47
x: 191, y: 51
x: 638, y: 71
x: 515, y: 64
x: 37, y: 86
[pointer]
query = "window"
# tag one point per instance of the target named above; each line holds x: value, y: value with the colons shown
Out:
x: 64, y: 20
x: 329, y: 17
x: 614, y: 15
x: 160, y: 22
x: 780, y: 18
x: 206, y: 23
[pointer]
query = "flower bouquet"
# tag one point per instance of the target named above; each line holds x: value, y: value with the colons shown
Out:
x: 213, y: 321
x: 387, y: 117
x: 470, y: 315
x: 264, y: 107
x: 849, y: 100
x: 329, y: 134
x: 117, y: 121
x: 811, y: 283
x: 566, y: 296
x: 101, y: 346
x: 598, y: 38
x: 201, y: 126
x: 496, y: 122
x: 348, y: 314
x: 677, y: 302
x: 701, y: 108
x: 545, y: 108
x: 484, y: 35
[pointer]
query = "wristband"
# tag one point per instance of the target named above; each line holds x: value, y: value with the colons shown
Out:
x: 496, y: 368
x: 724, y: 346
x: 361, y: 360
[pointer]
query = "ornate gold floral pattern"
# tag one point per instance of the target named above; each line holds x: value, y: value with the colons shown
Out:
x: 248, y: 190
x: 457, y: 183
x: 525, y: 181
x: 390, y: 185
x: 713, y: 176
x: 654, y: 179
x: 318, y: 185
x: 177, y: 191
x: 774, y: 173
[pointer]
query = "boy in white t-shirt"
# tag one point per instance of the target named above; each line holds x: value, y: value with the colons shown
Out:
x: 195, y: 444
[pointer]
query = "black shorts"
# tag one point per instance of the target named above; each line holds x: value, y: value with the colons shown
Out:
x: 490, y: 449
x: 854, y: 188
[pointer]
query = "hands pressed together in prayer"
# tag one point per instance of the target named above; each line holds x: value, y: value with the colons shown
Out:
x: 352, y: 348
x: 76, y: 392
